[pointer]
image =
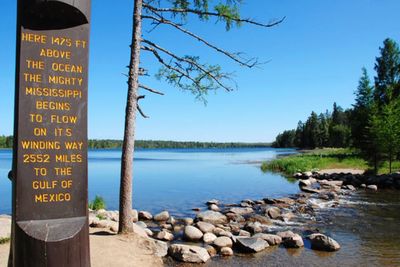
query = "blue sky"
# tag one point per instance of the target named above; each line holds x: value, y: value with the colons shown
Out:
x: 315, y: 58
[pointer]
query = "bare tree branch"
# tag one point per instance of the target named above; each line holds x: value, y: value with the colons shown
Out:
x: 213, y: 14
x: 161, y: 20
x: 150, y: 89
x: 141, y: 112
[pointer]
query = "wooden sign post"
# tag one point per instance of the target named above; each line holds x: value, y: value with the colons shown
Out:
x: 50, y: 214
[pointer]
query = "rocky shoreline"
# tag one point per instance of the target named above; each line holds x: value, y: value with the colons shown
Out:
x: 251, y: 226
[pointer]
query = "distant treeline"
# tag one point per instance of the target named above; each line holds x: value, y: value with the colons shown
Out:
x: 95, y: 144
x: 372, y: 125
x: 7, y: 142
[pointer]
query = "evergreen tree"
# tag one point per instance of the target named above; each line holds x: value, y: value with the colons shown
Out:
x: 361, y: 112
x: 387, y: 67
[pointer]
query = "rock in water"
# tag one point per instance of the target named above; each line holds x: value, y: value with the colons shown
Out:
x: 205, y: 227
x: 294, y: 241
x: 250, y: 244
x: 186, y: 253
x: 323, y: 242
x: 223, y: 241
x: 191, y: 233
x: 145, y: 215
x: 162, y: 216
x: 165, y: 235
x: 273, y: 212
x: 212, y: 217
x: 372, y: 187
x: 225, y: 251
x: 271, y: 239
x: 209, y: 238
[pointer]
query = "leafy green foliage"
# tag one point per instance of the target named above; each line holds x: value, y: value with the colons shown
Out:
x: 4, y: 240
x: 6, y: 141
x: 97, y: 204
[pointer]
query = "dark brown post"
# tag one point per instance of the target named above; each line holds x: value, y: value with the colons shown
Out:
x: 50, y: 214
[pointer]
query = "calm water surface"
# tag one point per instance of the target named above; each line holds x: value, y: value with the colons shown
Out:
x: 175, y: 179
x: 366, y: 224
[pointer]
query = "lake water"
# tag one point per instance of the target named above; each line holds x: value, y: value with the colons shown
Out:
x: 175, y: 179
x: 366, y: 224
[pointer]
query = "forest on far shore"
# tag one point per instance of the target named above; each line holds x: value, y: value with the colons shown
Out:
x: 371, y: 126
x: 7, y: 142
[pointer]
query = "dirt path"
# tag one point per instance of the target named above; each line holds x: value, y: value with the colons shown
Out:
x: 109, y: 250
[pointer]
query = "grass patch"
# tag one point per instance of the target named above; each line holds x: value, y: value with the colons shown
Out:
x: 316, y: 160
x: 97, y: 204
x: 4, y: 240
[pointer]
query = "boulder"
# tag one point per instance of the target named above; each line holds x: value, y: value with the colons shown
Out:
x: 307, y: 182
x: 285, y: 200
x: 205, y: 227
x: 372, y: 187
x: 294, y: 241
x: 244, y: 233
x: 145, y: 215
x: 139, y: 230
x: 235, y: 217
x: 210, y: 216
x: 259, y: 218
x: 241, y: 210
x: 223, y: 241
x: 148, y: 232
x: 141, y: 224
x: 161, y: 248
x: 273, y: 212
x: 350, y: 187
x: 226, y: 252
x: 221, y: 232
x: 323, y: 242
x: 186, y: 253
x: 272, y: 240
x: 208, y: 238
x: 250, y: 244
x: 162, y: 216
x: 253, y: 227
x: 165, y: 235
x: 191, y: 233
x: 188, y: 221
x: 285, y: 234
x: 307, y: 174
x: 213, y: 207
x: 212, y: 201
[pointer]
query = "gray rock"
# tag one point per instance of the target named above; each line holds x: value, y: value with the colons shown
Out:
x: 244, y: 233
x: 363, y: 185
x: 191, y: 233
x: 250, y: 244
x: 307, y: 174
x: 161, y: 248
x: 135, y: 215
x: 272, y: 240
x: 140, y: 231
x: 226, y: 252
x: 213, y: 207
x: 165, y: 235
x: 188, y: 221
x: 273, y: 212
x: 307, y: 182
x: 294, y: 241
x: 148, y: 232
x: 372, y: 187
x: 285, y: 234
x: 212, y: 217
x: 186, y: 253
x: 350, y: 187
x: 205, y: 227
x: 162, y: 216
x: 221, y: 232
x: 223, y: 241
x: 241, y: 211
x: 253, y: 227
x: 259, y: 218
x: 145, y: 215
x: 171, y: 220
x: 208, y: 238
x: 285, y: 200
x: 212, y: 201
x: 323, y: 242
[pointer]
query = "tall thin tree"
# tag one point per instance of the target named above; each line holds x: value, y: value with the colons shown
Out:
x: 186, y: 72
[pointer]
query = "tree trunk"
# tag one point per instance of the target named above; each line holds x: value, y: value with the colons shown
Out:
x: 125, y: 195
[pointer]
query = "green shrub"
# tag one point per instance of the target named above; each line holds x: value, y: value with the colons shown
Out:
x: 4, y: 240
x: 97, y: 204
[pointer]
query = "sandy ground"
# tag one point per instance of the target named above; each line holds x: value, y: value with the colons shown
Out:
x: 109, y: 250
x: 352, y: 171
